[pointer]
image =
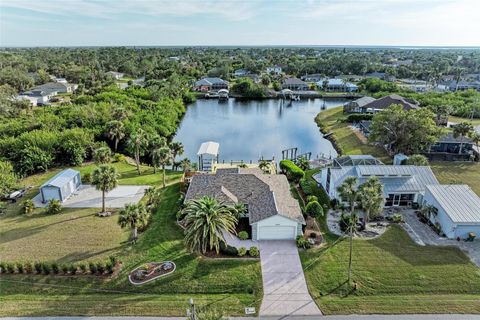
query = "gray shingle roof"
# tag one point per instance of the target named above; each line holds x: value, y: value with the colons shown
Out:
x: 265, y: 195
x: 51, y: 87
x: 210, y: 81
x: 386, y: 102
x: 460, y: 203
x: 294, y: 81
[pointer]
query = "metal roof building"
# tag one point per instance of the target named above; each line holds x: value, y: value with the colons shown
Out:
x: 61, y: 186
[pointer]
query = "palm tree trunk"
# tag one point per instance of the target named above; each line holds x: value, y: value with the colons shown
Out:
x: 137, y: 160
x: 163, y: 168
x: 103, y: 201
x: 135, y: 234
x: 350, y: 256
x: 154, y: 168
x: 116, y: 144
x: 461, y: 145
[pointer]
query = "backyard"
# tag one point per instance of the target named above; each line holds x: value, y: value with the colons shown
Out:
x: 228, y: 285
x: 458, y: 173
x: 393, y: 274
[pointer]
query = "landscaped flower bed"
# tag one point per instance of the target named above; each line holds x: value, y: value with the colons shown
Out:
x: 151, y: 271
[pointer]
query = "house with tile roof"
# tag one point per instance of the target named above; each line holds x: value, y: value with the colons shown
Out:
x: 272, y: 212
x: 210, y: 83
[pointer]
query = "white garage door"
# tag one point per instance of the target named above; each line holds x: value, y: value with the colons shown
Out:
x: 276, y: 233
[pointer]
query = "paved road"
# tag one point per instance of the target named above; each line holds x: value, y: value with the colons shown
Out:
x: 347, y: 317
x: 285, y: 291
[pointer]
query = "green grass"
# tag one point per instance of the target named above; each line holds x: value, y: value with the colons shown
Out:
x: 331, y: 121
x: 458, y: 173
x: 394, y: 275
x: 228, y: 285
x: 459, y: 119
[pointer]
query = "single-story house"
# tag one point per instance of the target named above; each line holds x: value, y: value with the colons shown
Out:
x: 272, y: 212
x: 240, y: 72
x: 402, y: 185
x: 461, y: 85
x: 294, y: 84
x: 387, y: 101
x: 356, y: 106
x: 381, y: 76
x: 210, y: 83
x: 457, y: 209
x: 36, y: 97
x: 314, y: 77
x: 355, y: 160
x: 116, y: 75
x: 447, y: 148
x: 336, y: 85
x: 56, y: 87
x: 274, y: 70
x: 61, y: 186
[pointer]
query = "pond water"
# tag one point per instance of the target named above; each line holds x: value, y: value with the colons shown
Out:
x: 248, y: 130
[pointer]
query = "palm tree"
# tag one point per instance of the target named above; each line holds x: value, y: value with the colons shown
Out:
x: 105, y: 179
x: 137, y: 143
x: 134, y: 216
x: 371, y: 197
x: 120, y: 113
x: 102, y: 155
x: 264, y: 166
x: 348, y: 192
x: 475, y: 137
x: 177, y: 150
x: 115, y: 131
x: 163, y: 157
x: 462, y: 130
x: 417, y: 160
x: 428, y: 210
x: 156, y: 144
x: 204, y: 221
x: 186, y: 165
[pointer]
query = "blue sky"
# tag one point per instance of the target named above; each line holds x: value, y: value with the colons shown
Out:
x: 239, y: 22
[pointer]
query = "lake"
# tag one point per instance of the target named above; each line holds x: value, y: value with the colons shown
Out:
x: 248, y: 130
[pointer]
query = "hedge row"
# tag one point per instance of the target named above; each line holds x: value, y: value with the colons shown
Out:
x: 46, y: 268
x: 291, y: 170
x: 356, y: 117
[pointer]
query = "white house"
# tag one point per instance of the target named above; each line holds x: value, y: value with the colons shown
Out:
x: 402, y: 185
x: 274, y: 70
x: 116, y: 75
x: 61, y: 186
x: 336, y: 85
x: 272, y: 212
x: 457, y: 209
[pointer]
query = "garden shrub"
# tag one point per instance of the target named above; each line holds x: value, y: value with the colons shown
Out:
x: 113, y: 260
x: 397, y: 218
x: 312, y: 198
x: 242, y: 251
x: 314, y: 209
x: 92, y: 267
x: 302, y: 243
x: 55, y: 268
x: 87, y: 177
x: 10, y: 267
x: 28, y: 267
x: 72, y: 269
x: 243, y: 235
x: 228, y: 250
x: 54, y: 207
x: 65, y: 269
x: 20, y: 267
x: 28, y: 206
x: 109, y: 267
x: 100, y: 268
x: 46, y: 269
x: 254, y: 252
x: 356, y: 117
x: 291, y: 170
x: 344, y: 222
x: 3, y: 266
x: 83, y: 267
x: 38, y: 267
x: 118, y: 157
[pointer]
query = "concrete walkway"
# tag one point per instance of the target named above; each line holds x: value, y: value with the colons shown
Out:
x: 285, y: 291
x: 234, y: 241
x: 424, y: 235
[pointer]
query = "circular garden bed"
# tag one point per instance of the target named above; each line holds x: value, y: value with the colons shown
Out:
x: 151, y: 271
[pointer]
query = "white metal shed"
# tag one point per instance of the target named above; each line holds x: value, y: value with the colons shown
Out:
x: 61, y: 186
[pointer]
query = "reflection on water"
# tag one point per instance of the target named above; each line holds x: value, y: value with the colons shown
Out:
x: 247, y: 130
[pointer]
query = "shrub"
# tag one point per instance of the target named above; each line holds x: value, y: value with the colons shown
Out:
x: 46, y: 269
x: 100, y: 268
x: 356, y: 117
x: 311, y: 198
x: 20, y: 267
x: 38, y: 267
x: 291, y: 170
x: 242, y: 251
x: 65, y: 268
x: 92, y: 267
x: 10, y: 267
x: 254, y: 252
x: 228, y: 250
x: 83, y: 267
x: 28, y: 267
x: 314, y: 209
x: 113, y: 260
x: 54, y: 207
x: 308, y: 186
x: 118, y: 157
x: 72, y: 268
x: 55, y: 268
x: 28, y: 206
x: 109, y: 267
x: 87, y: 177
x: 344, y: 222
x: 243, y: 235
x: 3, y: 267
x: 397, y: 218
x: 302, y: 243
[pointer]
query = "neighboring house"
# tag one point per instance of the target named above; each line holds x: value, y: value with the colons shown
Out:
x: 461, y: 85
x: 381, y: 76
x: 207, y: 84
x: 61, y: 186
x: 294, y: 84
x: 457, y: 209
x: 356, y: 106
x: 272, y: 212
x: 36, y: 97
x: 447, y: 148
x: 315, y: 77
x: 386, y: 102
x: 56, y: 88
x: 274, y: 70
x: 116, y: 75
x: 240, y: 72
x: 336, y: 85
x: 402, y: 185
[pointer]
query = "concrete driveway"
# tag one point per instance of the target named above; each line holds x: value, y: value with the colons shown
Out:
x: 284, y: 288
x: 88, y: 197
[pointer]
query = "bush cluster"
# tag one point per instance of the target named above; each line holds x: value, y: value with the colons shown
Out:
x: 243, y: 235
x: 254, y: 252
x: 356, y: 117
x: 242, y: 251
x: 291, y: 170
x: 302, y: 243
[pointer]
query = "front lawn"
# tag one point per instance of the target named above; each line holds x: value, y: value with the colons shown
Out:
x: 458, y: 173
x: 394, y: 275
x: 228, y: 285
x: 331, y: 121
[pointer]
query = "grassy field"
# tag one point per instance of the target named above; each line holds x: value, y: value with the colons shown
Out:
x: 475, y: 122
x: 458, y: 173
x: 346, y: 138
x: 228, y: 285
x: 394, y: 275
